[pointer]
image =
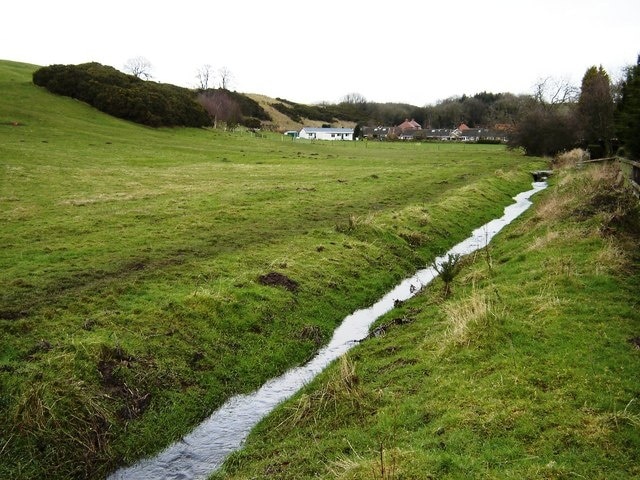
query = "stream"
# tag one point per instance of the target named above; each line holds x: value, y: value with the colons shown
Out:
x: 203, y: 451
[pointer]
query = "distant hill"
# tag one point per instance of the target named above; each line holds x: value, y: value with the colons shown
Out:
x: 282, y: 121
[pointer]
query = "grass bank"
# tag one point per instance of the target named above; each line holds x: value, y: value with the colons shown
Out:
x: 529, y: 369
x: 149, y: 274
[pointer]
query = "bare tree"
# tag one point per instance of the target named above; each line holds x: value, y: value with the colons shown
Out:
x: 226, y: 78
x: 203, y: 76
x: 221, y: 108
x: 139, y: 66
x: 354, y: 98
x: 555, y: 91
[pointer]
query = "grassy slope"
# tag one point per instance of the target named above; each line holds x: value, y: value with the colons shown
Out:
x: 130, y: 304
x: 282, y: 122
x: 529, y: 370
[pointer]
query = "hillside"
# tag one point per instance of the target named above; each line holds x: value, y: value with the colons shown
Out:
x: 282, y: 122
x: 138, y: 264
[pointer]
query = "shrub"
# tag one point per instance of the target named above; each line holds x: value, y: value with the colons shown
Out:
x: 124, y: 96
x: 252, y: 122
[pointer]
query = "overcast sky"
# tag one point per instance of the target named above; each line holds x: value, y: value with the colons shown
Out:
x: 388, y: 51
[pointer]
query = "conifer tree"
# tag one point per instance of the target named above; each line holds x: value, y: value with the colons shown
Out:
x: 628, y: 112
x: 595, y: 109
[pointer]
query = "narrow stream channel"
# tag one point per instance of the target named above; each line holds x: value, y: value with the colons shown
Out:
x: 203, y: 451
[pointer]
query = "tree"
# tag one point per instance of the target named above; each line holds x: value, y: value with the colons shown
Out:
x: 139, y: 67
x: 221, y: 107
x: 546, y: 130
x: 354, y: 98
x: 203, y: 75
x: 555, y: 91
x: 595, y: 109
x: 627, y: 115
x: 226, y: 77
x: 448, y: 113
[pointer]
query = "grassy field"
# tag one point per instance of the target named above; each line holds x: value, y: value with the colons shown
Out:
x: 529, y: 370
x: 135, y: 296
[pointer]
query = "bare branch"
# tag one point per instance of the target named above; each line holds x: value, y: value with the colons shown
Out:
x: 555, y: 91
x: 226, y: 78
x: 203, y: 75
x: 139, y: 66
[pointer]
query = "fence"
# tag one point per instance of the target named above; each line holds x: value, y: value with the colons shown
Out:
x: 630, y: 168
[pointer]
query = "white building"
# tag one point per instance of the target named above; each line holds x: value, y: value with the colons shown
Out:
x: 313, y: 133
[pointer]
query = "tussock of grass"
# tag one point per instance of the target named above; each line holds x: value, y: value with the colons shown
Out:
x: 469, y: 317
x: 387, y: 465
x: 612, y: 259
x: 570, y: 158
x: 342, y: 386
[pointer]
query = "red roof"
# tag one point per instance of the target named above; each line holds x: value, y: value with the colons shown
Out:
x: 409, y: 125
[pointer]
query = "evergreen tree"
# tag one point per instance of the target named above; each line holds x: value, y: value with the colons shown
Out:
x: 595, y: 108
x: 628, y: 112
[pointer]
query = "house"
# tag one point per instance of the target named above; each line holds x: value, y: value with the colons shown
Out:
x: 376, y: 133
x: 479, y: 134
x: 408, y: 125
x: 324, y: 133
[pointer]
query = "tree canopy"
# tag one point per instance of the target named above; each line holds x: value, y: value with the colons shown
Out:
x: 595, y: 109
x: 627, y: 115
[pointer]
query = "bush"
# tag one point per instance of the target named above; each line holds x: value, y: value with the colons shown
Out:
x: 124, y: 96
x: 596, y: 150
x: 252, y: 122
x: 545, y: 131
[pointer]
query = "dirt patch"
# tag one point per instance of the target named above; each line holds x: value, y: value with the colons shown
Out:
x: 276, y: 279
x: 635, y: 342
x: 112, y: 366
x: 313, y: 333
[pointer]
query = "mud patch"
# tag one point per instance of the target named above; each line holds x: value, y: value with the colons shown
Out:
x: 312, y: 333
x: 114, y: 366
x: 276, y: 279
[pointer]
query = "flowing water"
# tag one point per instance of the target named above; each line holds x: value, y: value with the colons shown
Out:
x: 204, y: 450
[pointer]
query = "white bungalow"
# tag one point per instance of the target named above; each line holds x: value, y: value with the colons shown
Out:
x: 313, y: 133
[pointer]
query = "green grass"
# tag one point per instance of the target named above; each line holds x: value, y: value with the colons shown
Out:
x: 529, y: 369
x: 130, y: 300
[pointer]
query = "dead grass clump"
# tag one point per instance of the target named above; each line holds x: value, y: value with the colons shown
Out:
x: 612, y: 258
x: 542, y: 242
x: 465, y: 317
x: 603, y: 195
x: 342, y: 386
x: 381, y: 465
x: 552, y: 207
x: 570, y: 158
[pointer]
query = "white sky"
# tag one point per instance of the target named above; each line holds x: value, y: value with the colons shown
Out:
x: 389, y: 51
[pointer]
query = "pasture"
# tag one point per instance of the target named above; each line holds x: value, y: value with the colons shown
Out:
x: 137, y: 264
